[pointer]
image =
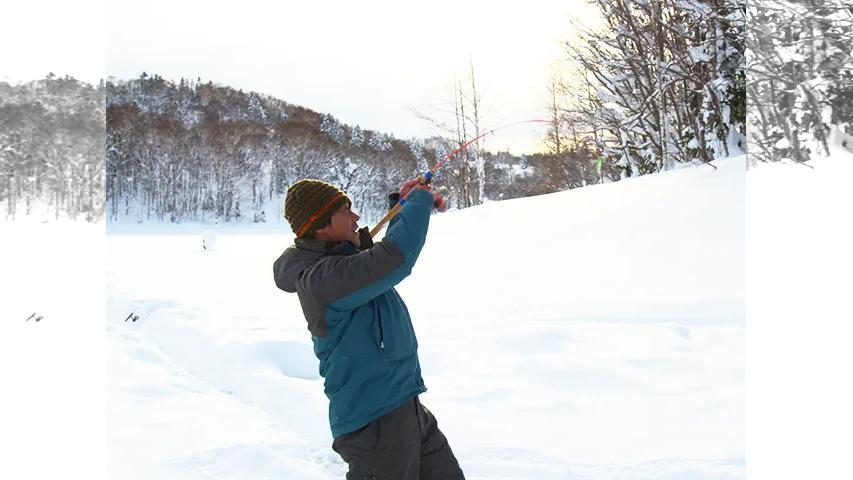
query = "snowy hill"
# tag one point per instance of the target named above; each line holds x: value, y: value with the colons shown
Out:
x: 200, y: 152
x: 594, y: 333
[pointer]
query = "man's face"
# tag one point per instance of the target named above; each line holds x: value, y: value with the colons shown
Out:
x: 344, y: 226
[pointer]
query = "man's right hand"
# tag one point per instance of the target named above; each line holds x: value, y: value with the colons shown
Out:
x: 415, y: 184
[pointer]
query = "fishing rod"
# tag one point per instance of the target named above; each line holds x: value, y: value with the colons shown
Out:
x: 426, y: 177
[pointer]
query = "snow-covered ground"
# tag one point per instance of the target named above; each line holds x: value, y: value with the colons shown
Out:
x: 596, y: 333
x: 52, y: 371
x: 799, y: 263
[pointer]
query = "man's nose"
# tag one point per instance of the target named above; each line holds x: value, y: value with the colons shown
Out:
x: 356, y: 216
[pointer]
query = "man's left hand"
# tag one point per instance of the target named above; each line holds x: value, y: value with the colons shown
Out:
x: 363, y: 239
x: 439, y: 202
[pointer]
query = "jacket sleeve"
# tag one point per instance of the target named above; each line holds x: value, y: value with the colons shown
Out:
x: 344, y: 282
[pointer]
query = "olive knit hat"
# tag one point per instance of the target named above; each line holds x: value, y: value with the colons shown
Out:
x: 310, y: 204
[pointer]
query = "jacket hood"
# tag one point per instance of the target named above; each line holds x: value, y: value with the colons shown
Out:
x: 295, y: 259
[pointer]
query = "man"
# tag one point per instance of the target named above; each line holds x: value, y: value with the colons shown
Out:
x: 362, y: 332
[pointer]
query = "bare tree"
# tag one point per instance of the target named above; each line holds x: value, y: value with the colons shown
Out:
x: 666, y: 77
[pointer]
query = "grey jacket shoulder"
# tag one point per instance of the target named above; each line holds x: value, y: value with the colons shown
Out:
x: 292, y: 262
x: 321, y: 273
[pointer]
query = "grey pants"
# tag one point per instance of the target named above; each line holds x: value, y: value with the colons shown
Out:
x: 405, y: 444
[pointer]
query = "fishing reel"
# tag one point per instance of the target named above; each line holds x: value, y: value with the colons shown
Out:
x: 426, y: 179
x: 394, y: 197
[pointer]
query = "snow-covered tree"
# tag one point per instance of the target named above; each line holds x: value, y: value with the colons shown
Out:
x: 332, y: 127
x: 801, y: 78
x: 416, y: 146
x: 380, y: 141
x: 667, y: 82
x: 356, y: 138
x: 256, y: 109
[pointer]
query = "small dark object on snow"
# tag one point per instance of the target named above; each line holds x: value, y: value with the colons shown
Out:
x: 38, y: 318
x: 132, y: 317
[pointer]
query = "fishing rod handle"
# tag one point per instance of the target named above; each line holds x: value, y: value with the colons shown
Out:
x: 424, y: 179
x: 388, y: 216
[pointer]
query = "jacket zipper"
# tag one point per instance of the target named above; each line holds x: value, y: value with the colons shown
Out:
x: 381, y: 330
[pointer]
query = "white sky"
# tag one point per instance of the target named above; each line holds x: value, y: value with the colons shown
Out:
x: 367, y: 63
x: 42, y: 36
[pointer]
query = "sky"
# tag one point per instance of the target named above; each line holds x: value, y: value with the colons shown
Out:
x: 366, y: 63
x: 42, y: 36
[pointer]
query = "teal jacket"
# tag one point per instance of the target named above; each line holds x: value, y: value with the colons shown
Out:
x: 361, y: 328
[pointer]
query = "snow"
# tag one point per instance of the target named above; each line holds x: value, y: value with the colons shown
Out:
x: 790, y: 54
x: 698, y: 54
x: 594, y: 333
x: 52, y: 406
x: 693, y: 143
x: 208, y: 239
x: 798, y: 269
x: 782, y: 144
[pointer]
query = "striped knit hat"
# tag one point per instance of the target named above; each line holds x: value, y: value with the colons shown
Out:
x: 310, y: 204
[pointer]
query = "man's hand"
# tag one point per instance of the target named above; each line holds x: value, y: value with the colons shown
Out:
x: 438, y: 202
x: 415, y: 184
x: 365, y: 241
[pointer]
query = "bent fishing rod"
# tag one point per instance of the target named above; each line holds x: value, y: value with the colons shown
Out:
x: 426, y: 177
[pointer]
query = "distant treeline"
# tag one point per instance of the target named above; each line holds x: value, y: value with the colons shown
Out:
x: 52, y: 149
x: 196, y: 151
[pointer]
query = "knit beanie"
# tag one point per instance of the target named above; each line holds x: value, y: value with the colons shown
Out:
x: 310, y: 204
